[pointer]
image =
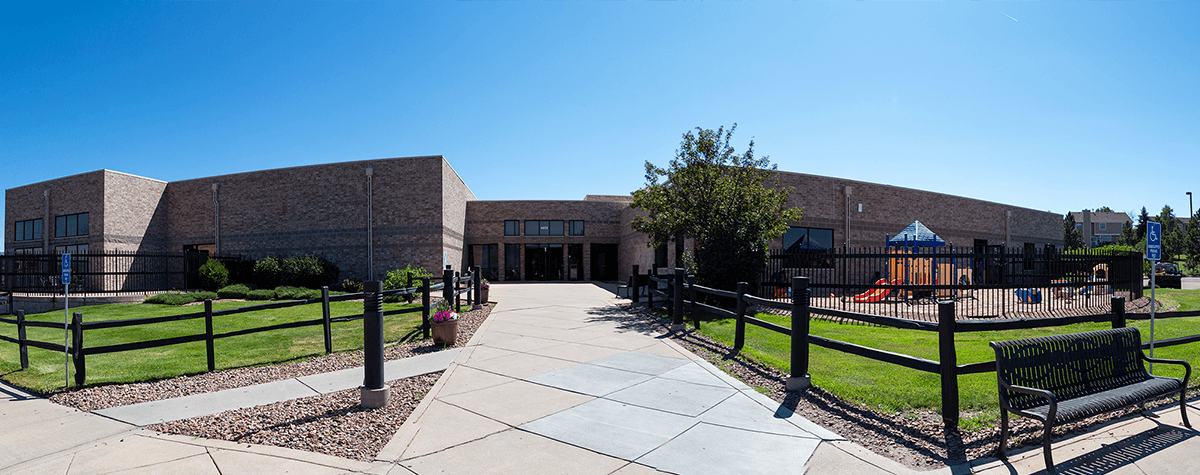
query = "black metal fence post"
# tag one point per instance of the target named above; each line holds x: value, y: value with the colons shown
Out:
x: 77, y: 343
x: 651, y: 286
x: 1118, y: 311
x: 799, y: 379
x: 948, y: 363
x: 739, y: 336
x: 373, y: 394
x: 425, y: 307
x: 676, y: 292
x: 21, y: 339
x: 633, y: 284
x: 208, y: 335
x: 326, y: 326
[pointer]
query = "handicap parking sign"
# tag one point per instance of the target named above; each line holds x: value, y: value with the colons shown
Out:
x: 1153, y: 240
x: 66, y: 269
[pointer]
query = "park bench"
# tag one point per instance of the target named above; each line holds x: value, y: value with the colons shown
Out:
x: 1062, y: 378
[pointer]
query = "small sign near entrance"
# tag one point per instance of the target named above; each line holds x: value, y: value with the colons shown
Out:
x: 66, y: 269
x: 1153, y: 241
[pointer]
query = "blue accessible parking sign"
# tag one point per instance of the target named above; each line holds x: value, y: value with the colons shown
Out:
x: 66, y: 269
x: 1153, y: 240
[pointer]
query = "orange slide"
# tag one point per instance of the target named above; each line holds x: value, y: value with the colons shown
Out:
x: 876, y: 295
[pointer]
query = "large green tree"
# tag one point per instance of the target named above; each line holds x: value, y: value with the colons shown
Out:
x: 1141, y: 224
x: 731, y: 204
x: 1072, y: 237
x: 1173, y: 237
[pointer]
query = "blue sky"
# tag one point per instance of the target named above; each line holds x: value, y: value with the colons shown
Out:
x: 1054, y: 106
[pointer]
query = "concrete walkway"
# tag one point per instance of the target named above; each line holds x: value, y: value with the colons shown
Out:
x: 557, y: 380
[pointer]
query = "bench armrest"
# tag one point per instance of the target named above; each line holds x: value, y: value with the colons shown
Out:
x: 1187, y: 367
x: 1050, y: 398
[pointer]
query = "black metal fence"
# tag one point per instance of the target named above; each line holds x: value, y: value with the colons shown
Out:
x: 95, y: 272
x: 985, y: 282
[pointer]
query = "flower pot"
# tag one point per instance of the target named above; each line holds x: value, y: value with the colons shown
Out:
x: 444, y: 333
x: 483, y: 295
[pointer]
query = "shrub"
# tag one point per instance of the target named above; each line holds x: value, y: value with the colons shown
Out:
x: 303, y: 271
x: 267, y: 272
x: 352, y: 286
x: 399, y: 279
x: 235, y: 291
x: 241, y: 271
x: 296, y: 293
x: 213, y: 275
x: 262, y: 294
x: 179, y: 298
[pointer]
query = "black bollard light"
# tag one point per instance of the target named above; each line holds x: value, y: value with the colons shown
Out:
x: 373, y: 393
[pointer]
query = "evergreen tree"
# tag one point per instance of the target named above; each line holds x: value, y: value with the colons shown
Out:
x: 1141, y: 224
x: 1128, y: 235
x: 1072, y: 237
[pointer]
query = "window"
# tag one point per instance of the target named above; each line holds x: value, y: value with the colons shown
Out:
x: 1103, y: 225
x: 71, y: 225
x: 28, y: 230
x: 75, y: 249
x: 808, y: 247
x: 28, y: 250
x: 576, y: 228
x: 512, y: 228
x: 544, y: 228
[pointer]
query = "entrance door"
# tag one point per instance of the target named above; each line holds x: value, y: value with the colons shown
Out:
x: 574, y: 261
x: 543, y: 262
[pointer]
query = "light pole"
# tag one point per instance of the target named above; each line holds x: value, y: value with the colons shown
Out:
x: 1191, y: 212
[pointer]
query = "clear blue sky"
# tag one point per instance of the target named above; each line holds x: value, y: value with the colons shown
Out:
x: 1054, y: 106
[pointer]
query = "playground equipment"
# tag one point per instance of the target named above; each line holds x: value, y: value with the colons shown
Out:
x: 876, y: 295
x: 904, y: 270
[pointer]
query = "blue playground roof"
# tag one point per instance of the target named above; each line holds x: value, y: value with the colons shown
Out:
x: 916, y: 234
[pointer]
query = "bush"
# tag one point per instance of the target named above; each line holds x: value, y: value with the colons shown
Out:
x: 235, y: 291
x: 296, y: 293
x: 399, y: 279
x: 304, y: 271
x: 352, y: 286
x: 267, y: 272
x: 263, y: 294
x: 241, y: 271
x: 179, y: 298
x: 213, y: 275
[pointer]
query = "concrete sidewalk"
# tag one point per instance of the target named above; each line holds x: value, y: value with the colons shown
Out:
x: 557, y: 380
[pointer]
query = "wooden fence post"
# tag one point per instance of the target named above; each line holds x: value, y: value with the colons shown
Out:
x: 799, y: 379
x: 21, y: 339
x: 208, y: 335
x: 425, y: 307
x: 739, y: 337
x: 457, y: 296
x: 326, y: 324
x: 633, y: 284
x: 448, y: 286
x: 477, y: 285
x: 77, y: 342
x: 675, y: 290
x: 948, y: 363
x: 1118, y: 311
x: 651, y: 286
x: 691, y: 282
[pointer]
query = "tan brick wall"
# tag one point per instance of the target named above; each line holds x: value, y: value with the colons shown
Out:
x: 82, y: 193
x: 135, y: 213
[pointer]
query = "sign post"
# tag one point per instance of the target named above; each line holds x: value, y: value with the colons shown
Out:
x: 1153, y: 254
x: 66, y: 280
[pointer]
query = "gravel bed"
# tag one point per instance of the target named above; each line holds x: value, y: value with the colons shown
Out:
x: 113, y: 395
x: 332, y: 424
x: 917, y: 439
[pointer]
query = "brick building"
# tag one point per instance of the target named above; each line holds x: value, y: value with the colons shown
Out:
x: 422, y: 213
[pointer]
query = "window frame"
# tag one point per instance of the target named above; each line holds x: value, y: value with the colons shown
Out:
x: 571, y: 227
x: 29, y: 227
x: 544, y: 227
x: 68, y: 225
x: 516, y: 227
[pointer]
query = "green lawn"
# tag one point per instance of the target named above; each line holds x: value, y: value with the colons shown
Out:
x: 45, y: 371
x: 894, y: 388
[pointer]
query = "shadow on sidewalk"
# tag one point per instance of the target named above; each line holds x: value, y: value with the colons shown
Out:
x: 1124, y: 452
